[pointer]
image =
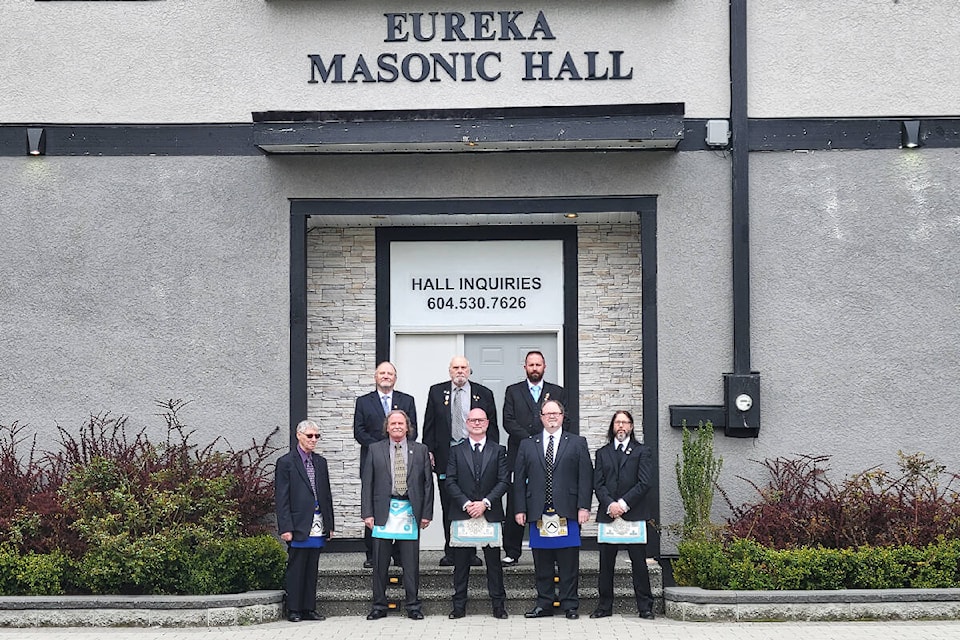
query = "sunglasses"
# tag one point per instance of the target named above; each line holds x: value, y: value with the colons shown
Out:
x: 311, y: 436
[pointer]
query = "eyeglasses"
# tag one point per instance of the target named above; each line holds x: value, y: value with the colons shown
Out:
x: 477, y: 420
x: 311, y: 436
x: 621, y: 422
x: 552, y: 414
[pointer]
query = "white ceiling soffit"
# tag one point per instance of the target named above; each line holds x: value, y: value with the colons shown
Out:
x: 473, y: 220
x: 582, y: 128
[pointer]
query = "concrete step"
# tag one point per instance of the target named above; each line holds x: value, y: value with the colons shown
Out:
x: 344, y: 586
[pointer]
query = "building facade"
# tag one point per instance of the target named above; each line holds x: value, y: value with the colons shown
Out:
x: 737, y: 211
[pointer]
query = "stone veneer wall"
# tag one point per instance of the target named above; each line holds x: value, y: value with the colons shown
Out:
x: 341, y: 349
x: 610, y: 324
x: 341, y: 341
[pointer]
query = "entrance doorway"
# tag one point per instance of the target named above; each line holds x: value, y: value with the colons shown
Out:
x: 496, y: 360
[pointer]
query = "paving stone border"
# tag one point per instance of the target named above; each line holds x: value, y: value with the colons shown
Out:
x: 252, y: 607
x: 694, y: 603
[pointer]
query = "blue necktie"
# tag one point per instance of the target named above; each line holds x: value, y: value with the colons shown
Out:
x: 386, y: 405
x: 536, y: 393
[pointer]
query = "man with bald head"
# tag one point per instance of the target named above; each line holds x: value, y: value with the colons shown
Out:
x: 445, y: 425
x: 370, y: 411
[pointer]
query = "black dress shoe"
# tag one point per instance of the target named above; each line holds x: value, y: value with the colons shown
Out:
x: 446, y: 561
x: 571, y: 614
x: 312, y: 615
x: 294, y: 616
x: 601, y: 613
x: 368, y: 564
x: 457, y: 613
x: 415, y: 615
x: 500, y: 613
x: 538, y: 612
x: 376, y: 614
x: 475, y: 561
x: 647, y: 614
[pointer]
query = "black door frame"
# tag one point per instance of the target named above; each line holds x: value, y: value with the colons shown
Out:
x: 644, y: 206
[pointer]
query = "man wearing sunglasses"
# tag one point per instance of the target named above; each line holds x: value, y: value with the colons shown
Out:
x: 304, y: 507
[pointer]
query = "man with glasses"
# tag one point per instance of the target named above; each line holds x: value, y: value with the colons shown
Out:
x: 444, y: 425
x: 553, y: 489
x: 304, y: 508
x: 622, y: 479
x: 476, y: 481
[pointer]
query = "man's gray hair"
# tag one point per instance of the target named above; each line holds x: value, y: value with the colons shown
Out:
x: 307, y: 424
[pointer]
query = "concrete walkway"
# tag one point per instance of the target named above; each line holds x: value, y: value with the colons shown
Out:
x: 618, y: 627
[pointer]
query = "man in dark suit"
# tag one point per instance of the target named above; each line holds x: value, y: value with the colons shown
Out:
x: 476, y: 481
x: 621, y: 479
x: 304, y: 508
x: 369, y: 413
x: 521, y: 419
x: 553, y: 489
x: 444, y: 425
x: 397, y: 474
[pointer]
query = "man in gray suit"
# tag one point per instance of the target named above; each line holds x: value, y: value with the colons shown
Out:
x: 396, y: 479
x: 553, y: 490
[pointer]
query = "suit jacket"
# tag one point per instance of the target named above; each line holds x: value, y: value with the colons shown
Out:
x: 462, y: 483
x: 377, y: 482
x: 436, y: 420
x: 293, y: 498
x: 521, y: 415
x: 572, y: 476
x: 627, y: 476
x: 368, y: 418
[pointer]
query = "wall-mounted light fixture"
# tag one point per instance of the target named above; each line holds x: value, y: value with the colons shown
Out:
x: 571, y: 216
x: 36, y: 141
x: 910, y: 134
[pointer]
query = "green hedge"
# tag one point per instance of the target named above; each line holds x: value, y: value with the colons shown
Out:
x: 188, y: 561
x: 746, y: 565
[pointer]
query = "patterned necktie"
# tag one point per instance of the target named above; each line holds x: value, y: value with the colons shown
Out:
x: 536, y: 393
x: 476, y: 461
x: 311, y: 474
x: 458, y: 426
x: 549, y: 462
x: 399, y: 470
x: 386, y: 405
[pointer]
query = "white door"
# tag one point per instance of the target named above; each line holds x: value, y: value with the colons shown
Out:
x: 496, y: 360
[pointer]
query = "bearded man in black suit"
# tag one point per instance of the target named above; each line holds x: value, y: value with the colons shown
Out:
x: 622, y: 479
x: 521, y: 419
x: 445, y: 425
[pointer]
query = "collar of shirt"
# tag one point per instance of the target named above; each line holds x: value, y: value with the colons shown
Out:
x: 386, y: 396
x: 535, y: 386
x: 556, y: 440
x: 465, y: 387
x: 482, y: 443
x: 304, y: 456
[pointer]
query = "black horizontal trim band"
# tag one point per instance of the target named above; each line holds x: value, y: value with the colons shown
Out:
x: 237, y: 139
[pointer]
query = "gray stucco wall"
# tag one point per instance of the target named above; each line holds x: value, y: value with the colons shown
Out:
x: 129, y: 279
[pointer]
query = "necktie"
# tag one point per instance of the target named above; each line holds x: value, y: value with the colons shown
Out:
x: 536, y: 393
x: 311, y: 474
x: 386, y: 405
x: 459, y: 427
x: 620, y: 448
x: 476, y: 461
x: 399, y: 470
x: 549, y: 462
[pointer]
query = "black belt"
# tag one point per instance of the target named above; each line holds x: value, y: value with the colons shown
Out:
x: 399, y: 497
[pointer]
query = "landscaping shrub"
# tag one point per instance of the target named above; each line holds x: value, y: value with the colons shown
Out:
x: 745, y: 564
x: 112, y: 512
